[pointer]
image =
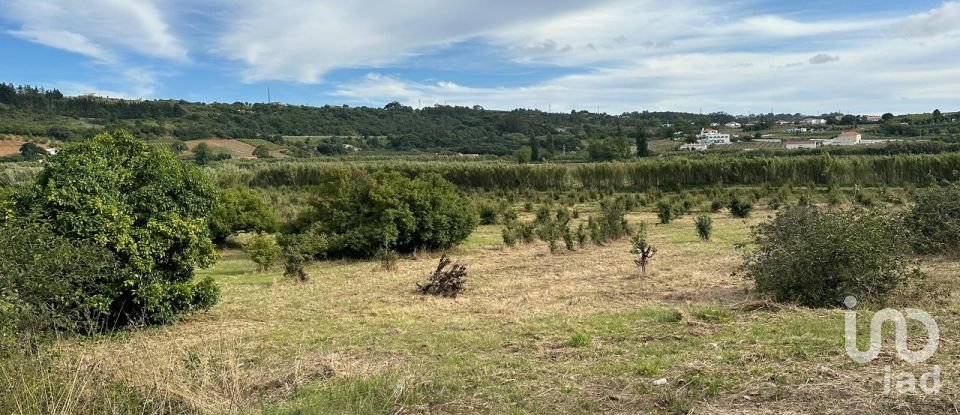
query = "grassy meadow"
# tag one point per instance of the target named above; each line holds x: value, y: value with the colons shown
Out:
x: 579, y: 332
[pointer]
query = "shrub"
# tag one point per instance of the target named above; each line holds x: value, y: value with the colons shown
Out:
x: 488, y: 213
x: 715, y: 206
x: 387, y: 208
x: 263, y: 251
x: 934, y: 221
x: 509, y: 235
x: 387, y: 258
x: 445, y: 282
x: 740, y: 208
x: 704, y: 227
x: 665, y: 212
x: 240, y: 210
x: 642, y: 249
x: 48, y: 282
x: 817, y: 258
x: 300, y: 249
x: 146, y: 208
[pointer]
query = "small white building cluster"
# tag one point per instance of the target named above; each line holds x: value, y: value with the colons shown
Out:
x: 847, y: 138
x: 706, y: 138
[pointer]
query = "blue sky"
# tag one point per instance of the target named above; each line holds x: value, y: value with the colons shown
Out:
x: 741, y: 57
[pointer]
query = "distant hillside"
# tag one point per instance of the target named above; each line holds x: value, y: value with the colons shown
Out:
x: 35, y: 112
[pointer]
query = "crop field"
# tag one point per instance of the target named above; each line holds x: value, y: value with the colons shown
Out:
x: 581, y: 332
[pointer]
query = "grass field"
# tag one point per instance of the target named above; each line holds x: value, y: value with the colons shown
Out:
x: 236, y: 148
x: 581, y: 332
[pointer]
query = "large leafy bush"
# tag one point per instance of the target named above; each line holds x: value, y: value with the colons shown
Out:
x: 240, y: 210
x: 137, y: 202
x: 934, y: 221
x: 389, y: 210
x: 817, y: 258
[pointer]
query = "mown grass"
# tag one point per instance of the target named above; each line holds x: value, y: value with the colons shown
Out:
x: 574, y: 333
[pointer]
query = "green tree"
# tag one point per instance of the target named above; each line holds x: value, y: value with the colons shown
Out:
x: 523, y: 155
x: 202, y: 154
x: 32, y: 151
x: 179, y: 147
x: 534, y: 149
x: 145, y: 207
x: 241, y: 210
x: 887, y: 117
x: 388, y: 209
x: 704, y: 226
x: 261, y: 152
x: 643, y: 147
x: 263, y: 251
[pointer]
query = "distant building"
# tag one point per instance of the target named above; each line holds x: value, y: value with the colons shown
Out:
x: 783, y: 122
x: 798, y: 145
x: 798, y: 130
x: 711, y: 136
x: 814, y: 121
x: 872, y: 118
x: 733, y: 125
x: 52, y: 151
x: 694, y: 147
x: 848, y: 138
x: 714, y: 124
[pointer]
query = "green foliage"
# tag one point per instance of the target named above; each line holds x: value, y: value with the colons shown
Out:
x: 49, y: 282
x: 579, y: 340
x: 817, y: 258
x: 665, y: 211
x: 390, y: 209
x: 642, y: 250
x: 143, y: 206
x: 704, y: 226
x: 32, y: 151
x: 934, y: 221
x: 387, y: 258
x: 489, y: 213
x: 740, y: 208
x: 262, y: 152
x: 263, y: 250
x: 715, y: 206
x: 241, y: 210
x: 610, y: 224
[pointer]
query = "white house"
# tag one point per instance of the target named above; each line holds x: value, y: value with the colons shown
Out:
x: 52, y: 151
x: 814, y: 121
x: 783, y: 122
x: 848, y: 138
x: 797, y: 130
x: 694, y: 147
x: 714, y: 124
x: 872, y: 118
x: 711, y: 136
x: 733, y: 124
x: 798, y: 145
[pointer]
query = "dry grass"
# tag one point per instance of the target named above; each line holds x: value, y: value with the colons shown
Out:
x: 236, y: 148
x: 358, y: 339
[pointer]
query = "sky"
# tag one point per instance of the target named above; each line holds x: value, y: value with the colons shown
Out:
x: 739, y: 57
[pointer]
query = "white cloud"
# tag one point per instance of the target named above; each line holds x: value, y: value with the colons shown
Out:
x: 302, y: 40
x: 898, y: 78
x: 101, y: 29
x: 943, y: 20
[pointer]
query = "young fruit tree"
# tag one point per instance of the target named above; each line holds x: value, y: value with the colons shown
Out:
x: 642, y: 249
